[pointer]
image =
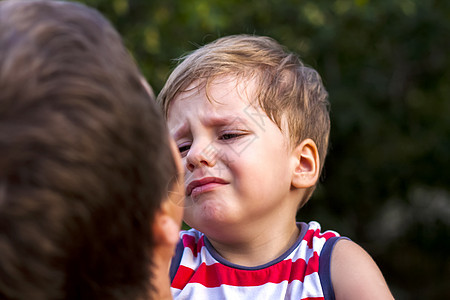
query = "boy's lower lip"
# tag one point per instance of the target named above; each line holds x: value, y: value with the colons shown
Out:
x: 205, y: 188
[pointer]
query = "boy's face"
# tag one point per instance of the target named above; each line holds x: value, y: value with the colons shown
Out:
x: 238, y: 163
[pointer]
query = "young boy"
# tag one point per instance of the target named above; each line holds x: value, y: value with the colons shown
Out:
x: 252, y: 124
x: 85, y: 162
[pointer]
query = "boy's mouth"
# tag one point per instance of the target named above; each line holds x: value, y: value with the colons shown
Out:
x: 196, y: 187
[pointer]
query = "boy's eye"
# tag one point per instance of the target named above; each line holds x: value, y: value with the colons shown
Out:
x: 184, y: 148
x: 229, y: 136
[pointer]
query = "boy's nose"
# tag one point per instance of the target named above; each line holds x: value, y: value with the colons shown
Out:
x: 201, y: 155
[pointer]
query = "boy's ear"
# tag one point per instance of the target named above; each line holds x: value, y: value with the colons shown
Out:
x: 306, y: 165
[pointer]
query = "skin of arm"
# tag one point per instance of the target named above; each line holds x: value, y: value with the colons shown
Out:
x: 355, y: 275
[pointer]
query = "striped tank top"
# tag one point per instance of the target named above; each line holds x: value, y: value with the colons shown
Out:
x: 301, y: 273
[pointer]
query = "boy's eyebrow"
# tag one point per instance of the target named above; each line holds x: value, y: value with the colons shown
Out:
x: 210, y: 121
x: 223, y: 120
x: 180, y: 131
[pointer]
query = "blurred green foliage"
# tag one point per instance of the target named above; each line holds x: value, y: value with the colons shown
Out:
x: 386, y: 65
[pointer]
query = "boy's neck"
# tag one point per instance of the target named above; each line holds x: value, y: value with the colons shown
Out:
x: 270, y: 243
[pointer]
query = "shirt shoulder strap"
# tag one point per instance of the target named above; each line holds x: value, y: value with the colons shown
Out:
x: 324, y: 267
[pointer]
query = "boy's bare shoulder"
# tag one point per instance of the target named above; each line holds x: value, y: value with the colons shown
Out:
x: 355, y: 275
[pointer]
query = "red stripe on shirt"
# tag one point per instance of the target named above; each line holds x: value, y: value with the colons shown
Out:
x: 191, y: 243
x: 310, y: 234
x: 182, y: 277
x: 218, y: 274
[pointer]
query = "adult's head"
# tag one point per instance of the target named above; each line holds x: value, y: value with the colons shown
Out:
x: 85, y: 158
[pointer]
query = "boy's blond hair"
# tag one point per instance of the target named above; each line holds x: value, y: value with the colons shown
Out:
x: 286, y: 88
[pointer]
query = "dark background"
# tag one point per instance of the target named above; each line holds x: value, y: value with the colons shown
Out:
x: 386, y: 66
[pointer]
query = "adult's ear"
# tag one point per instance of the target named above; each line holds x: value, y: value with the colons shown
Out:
x: 166, y: 236
x: 166, y: 225
x: 306, y: 164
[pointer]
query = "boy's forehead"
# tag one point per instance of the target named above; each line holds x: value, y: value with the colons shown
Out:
x: 221, y: 102
x: 219, y: 90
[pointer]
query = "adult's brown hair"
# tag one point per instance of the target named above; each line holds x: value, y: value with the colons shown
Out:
x: 84, y: 157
